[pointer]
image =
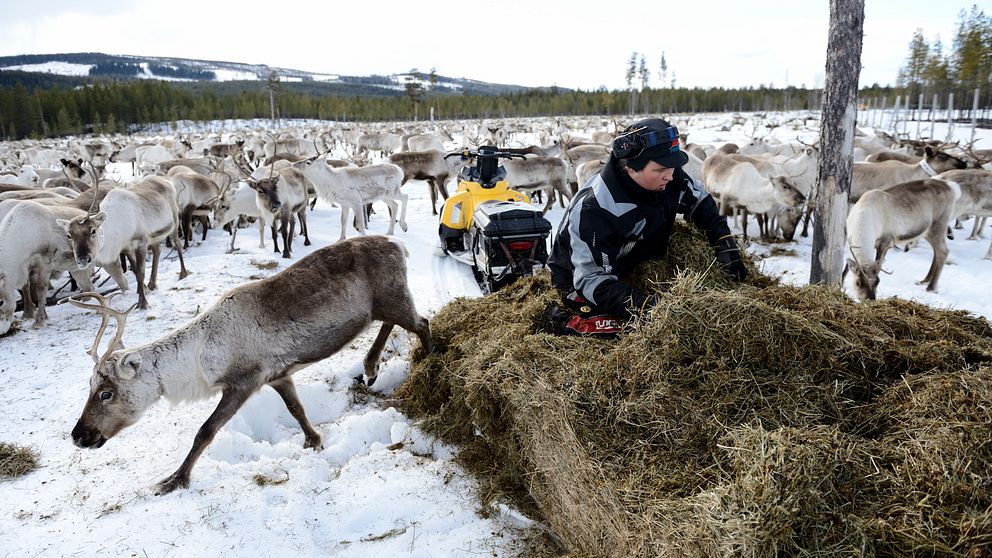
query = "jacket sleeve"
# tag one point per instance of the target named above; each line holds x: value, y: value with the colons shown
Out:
x: 596, y: 242
x: 698, y: 206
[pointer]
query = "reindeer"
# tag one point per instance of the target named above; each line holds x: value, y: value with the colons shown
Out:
x: 354, y: 187
x: 231, y: 205
x: 871, y: 176
x: 426, y: 165
x: 283, y: 195
x: 900, y: 213
x: 193, y: 191
x: 32, y: 247
x: 976, y: 197
x: 131, y: 221
x: 545, y: 174
x: 256, y: 334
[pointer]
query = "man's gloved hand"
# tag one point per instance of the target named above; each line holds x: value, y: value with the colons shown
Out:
x: 729, y: 256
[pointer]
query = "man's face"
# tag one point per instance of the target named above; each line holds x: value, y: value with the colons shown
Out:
x: 653, y: 177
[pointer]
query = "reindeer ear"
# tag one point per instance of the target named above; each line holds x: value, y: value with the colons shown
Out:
x: 64, y: 223
x: 99, y: 218
x: 128, y: 366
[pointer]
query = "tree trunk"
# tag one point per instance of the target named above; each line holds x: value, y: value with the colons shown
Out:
x: 835, y: 168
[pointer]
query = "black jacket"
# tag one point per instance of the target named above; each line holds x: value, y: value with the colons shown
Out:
x: 612, y: 224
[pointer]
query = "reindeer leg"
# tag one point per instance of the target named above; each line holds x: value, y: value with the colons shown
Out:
x: 344, y: 221
x: 363, y: 222
x: 403, y: 313
x: 371, y: 362
x: 275, y: 240
x: 38, y: 288
x: 302, y: 216
x: 432, y: 188
x: 230, y: 402
x: 393, y: 209
x: 156, y: 250
x: 287, y: 230
x: 287, y: 390
x: 183, y: 272
x: 940, y: 252
x: 27, y: 298
x: 137, y: 259
x: 187, y: 224
x: 976, y: 229
x: 116, y: 271
x: 403, y: 201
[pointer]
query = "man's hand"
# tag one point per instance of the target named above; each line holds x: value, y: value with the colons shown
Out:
x: 729, y: 256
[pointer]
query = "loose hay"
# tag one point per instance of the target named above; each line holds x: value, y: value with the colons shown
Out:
x: 757, y: 419
x: 16, y: 461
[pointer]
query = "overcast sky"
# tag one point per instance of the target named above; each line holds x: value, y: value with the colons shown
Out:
x: 570, y: 43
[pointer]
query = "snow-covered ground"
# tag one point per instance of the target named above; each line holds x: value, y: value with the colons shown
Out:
x: 380, y: 487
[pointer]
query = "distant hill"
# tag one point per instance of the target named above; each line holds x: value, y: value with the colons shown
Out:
x: 72, y: 69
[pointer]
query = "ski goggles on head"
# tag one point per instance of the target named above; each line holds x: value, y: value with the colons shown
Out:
x: 631, y: 144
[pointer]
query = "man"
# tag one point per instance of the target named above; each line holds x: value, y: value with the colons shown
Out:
x: 625, y: 215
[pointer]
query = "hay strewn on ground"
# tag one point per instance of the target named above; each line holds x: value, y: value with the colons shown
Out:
x: 16, y: 461
x: 757, y: 419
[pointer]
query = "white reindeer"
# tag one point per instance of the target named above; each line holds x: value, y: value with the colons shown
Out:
x: 900, y: 213
x: 354, y: 187
x: 131, y: 221
x: 32, y: 247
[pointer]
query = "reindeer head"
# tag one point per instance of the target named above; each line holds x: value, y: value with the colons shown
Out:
x: 788, y: 219
x: 119, y: 392
x: 85, y: 236
x: 266, y: 193
x: 222, y: 206
x: 786, y: 192
x: 942, y: 161
x: 865, y: 278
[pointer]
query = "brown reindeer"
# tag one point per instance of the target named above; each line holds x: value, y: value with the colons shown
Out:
x: 257, y: 334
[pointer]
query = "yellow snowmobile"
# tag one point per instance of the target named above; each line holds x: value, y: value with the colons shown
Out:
x: 490, y: 227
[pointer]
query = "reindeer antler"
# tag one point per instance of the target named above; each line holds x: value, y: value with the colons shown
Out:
x: 96, y: 190
x: 105, y: 313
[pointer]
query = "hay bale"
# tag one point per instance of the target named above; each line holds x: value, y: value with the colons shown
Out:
x: 756, y: 419
x: 16, y: 461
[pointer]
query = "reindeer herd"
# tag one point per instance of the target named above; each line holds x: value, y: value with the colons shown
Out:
x: 62, y: 212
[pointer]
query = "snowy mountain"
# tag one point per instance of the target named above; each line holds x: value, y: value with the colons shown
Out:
x: 91, y: 65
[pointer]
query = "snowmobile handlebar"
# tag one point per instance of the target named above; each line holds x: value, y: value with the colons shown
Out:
x: 469, y: 154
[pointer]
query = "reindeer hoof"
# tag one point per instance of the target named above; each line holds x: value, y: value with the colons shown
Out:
x: 314, y: 443
x: 173, y: 482
x: 306, y: 243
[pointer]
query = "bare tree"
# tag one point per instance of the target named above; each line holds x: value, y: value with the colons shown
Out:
x: 631, y: 72
x: 835, y: 168
x: 272, y: 84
